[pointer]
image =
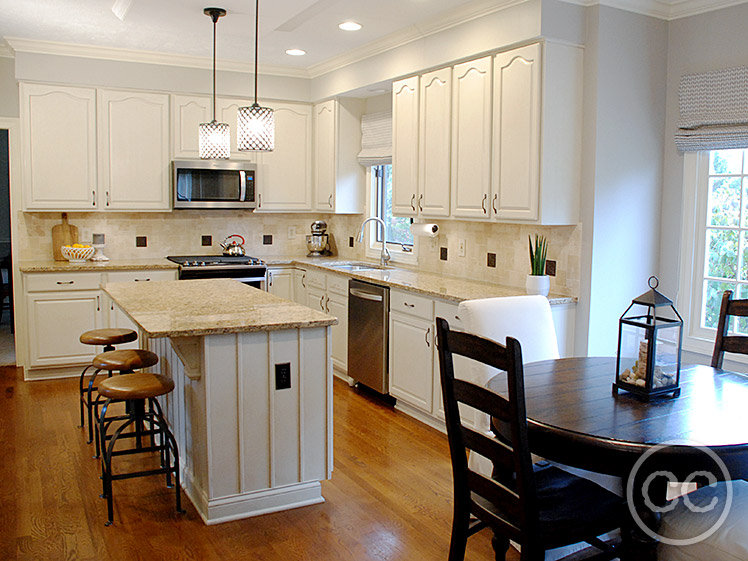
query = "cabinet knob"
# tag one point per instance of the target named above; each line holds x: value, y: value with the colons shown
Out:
x: 93, y: 198
x: 107, y: 198
x: 409, y: 305
x: 66, y: 282
x: 142, y: 280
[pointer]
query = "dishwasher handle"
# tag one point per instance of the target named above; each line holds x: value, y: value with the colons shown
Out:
x: 366, y: 295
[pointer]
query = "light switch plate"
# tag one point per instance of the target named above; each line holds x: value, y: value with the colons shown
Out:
x: 292, y: 232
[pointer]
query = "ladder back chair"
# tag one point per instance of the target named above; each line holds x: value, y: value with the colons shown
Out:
x: 724, y: 342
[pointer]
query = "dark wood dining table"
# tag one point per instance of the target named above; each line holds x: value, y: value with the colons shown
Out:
x: 574, y: 419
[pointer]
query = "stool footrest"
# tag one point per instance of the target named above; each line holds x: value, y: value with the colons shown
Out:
x: 133, y: 474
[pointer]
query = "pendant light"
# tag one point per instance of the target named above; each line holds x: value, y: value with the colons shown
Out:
x: 215, y: 139
x: 256, y: 125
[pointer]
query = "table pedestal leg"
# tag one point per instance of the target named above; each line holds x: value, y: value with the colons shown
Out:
x: 637, y: 544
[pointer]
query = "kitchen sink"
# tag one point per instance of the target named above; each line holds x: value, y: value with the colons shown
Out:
x: 357, y: 266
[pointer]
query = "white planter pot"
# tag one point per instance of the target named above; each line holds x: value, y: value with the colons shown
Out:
x: 538, y: 284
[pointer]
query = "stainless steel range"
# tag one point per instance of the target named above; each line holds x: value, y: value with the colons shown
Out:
x: 249, y: 270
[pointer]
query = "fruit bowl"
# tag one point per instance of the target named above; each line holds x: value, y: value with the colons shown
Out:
x: 77, y: 254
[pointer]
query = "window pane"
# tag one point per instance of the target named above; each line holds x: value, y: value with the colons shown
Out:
x: 742, y: 322
x: 725, y: 162
x: 713, y: 301
x: 724, y: 201
x: 398, y: 228
x: 722, y: 254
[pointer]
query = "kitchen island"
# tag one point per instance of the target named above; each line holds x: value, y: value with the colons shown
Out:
x: 252, y: 406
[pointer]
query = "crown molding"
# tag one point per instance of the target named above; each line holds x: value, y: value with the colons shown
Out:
x: 35, y: 46
x: 6, y: 51
x: 664, y: 10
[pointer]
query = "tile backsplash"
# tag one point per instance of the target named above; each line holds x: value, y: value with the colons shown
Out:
x: 182, y: 232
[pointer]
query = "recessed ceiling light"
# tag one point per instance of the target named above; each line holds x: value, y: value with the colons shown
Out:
x: 350, y: 26
x: 296, y: 52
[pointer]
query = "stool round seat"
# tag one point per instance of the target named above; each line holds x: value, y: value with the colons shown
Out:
x: 136, y: 386
x: 125, y: 360
x: 112, y: 336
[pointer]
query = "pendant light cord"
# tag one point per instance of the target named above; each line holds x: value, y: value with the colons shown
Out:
x: 257, y: 27
x: 215, y: 20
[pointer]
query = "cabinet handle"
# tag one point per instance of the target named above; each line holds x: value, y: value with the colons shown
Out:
x: 66, y: 282
x: 93, y: 198
x: 458, y: 318
x: 329, y: 201
x: 493, y: 203
x: 483, y: 202
x: 420, y: 201
x: 413, y: 201
x: 270, y: 278
x: 322, y: 303
x: 112, y: 306
x: 327, y: 305
x: 107, y: 198
x: 259, y: 200
x: 98, y: 303
x: 142, y: 280
x: 428, y: 332
x: 303, y: 278
x: 409, y: 305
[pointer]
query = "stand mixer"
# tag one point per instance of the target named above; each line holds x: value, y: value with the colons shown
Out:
x: 318, y: 242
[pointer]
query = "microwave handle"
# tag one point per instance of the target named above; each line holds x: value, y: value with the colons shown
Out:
x: 242, y: 185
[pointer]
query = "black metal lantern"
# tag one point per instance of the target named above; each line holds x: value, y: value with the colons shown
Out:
x: 649, y: 347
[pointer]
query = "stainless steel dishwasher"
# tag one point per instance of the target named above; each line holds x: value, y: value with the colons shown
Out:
x: 368, y: 334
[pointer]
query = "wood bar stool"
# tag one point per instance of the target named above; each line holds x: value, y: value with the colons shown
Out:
x: 143, y: 412
x: 123, y: 361
x: 106, y: 338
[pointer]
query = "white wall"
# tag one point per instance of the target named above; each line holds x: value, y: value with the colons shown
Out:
x: 710, y: 41
x: 625, y: 68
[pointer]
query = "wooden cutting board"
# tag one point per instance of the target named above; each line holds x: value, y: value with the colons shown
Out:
x: 63, y: 234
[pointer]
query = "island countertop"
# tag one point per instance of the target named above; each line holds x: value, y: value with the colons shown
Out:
x: 188, y: 308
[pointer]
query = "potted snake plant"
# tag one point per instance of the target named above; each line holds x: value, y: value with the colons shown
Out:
x: 537, y: 281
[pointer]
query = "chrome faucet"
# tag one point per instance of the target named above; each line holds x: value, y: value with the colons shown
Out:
x: 384, y: 257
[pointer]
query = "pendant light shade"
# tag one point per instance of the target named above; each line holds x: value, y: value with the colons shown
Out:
x: 255, y: 124
x: 214, y: 137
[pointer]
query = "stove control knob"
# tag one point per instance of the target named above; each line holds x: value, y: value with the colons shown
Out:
x: 194, y: 263
x: 202, y: 263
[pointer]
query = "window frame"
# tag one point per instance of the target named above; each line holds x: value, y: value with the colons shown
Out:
x: 690, y: 298
x: 373, y: 245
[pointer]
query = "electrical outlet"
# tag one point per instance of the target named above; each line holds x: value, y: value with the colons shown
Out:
x: 350, y: 241
x: 550, y: 268
x: 141, y: 241
x: 443, y: 253
x: 462, y: 248
x: 283, y: 376
x: 267, y: 239
x: 207, y: 241
x: 292, y: 232
x: 491, y: 260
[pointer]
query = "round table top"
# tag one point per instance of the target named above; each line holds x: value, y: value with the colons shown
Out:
x: 574, y: 418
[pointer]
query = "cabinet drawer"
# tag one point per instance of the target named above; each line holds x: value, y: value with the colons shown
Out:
x: 409, y: 303
x: 448, y: 311
x: 45, y: 282
x: 316, y: 279
x: 141, y: 276
x: 337, y: 284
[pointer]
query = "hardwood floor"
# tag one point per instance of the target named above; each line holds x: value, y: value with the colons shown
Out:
x: 389, y: 497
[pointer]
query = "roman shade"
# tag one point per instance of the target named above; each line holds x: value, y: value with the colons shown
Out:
x: 713, y: 110
x: 376, y: 139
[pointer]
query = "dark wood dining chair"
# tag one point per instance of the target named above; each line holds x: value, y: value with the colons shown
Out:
x: 724, y: 342
x: 6, y: 290
x: 540, y: 508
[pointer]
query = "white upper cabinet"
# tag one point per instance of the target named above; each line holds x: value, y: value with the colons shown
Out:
x: 133, y: 150
x: 338, y: 177
x: 405, y: 147
x: 59, y: 147
x: 285, y: 174
x: 226, y: 109
x: 435, y: 141
x: 537, y: 134
x: 187, y: 112
x: 471, y: 138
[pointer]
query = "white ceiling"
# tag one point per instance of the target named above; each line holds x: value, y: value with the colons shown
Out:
x: 180, y: 27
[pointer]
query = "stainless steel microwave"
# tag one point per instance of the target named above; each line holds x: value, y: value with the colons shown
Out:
x: 214, y: 184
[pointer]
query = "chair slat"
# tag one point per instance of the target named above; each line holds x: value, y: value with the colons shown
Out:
x: 493, y: 449
x: 478, y: 348
x: 735, y: 344
x: 738, y: 308
x: 724, y: 342
x: 481, y: 399
x: 497, y: 494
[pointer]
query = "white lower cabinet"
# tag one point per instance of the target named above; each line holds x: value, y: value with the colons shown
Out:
x: 299, y: 286
x: 329, y: 293
x: 281, y: 282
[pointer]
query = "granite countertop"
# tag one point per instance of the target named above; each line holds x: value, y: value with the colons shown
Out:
x: 430, y: 284
x: 188, y: 308
x: 51, y: 266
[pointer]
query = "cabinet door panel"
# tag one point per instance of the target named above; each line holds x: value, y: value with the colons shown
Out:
x: 411, y: 362
x: 280, y: 282
x: 337, y: 306
x: 187, y: 113
x: 299, y: 288
x: 324, y: 155
x: 516, y: 146
x: 134, y: 150
x: 59, y: 147
x: 55, y: 323
x: 285, y: 174
x: 471, y: 138
x: 405, y: 147
x: 435, y: 140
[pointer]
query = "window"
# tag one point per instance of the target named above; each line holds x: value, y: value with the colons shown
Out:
x: 719, y: 232
x: 399, y: 239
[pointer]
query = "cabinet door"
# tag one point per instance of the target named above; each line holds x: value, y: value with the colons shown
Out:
x: 435, y: 141
x: 116, y: 318
x: 56, y: 321
x: 187, y: 113
x: 405, y: 147
x: 471, y: 138
x: 285, y: 174
x: 280, y: 282
x: 516, y: 140
x: 133, y: 150
x: 226, y: 109
x: 337, y: 305
x: 411, y: 360
x: 324, y: 155
x: 315, y: 299
x: 299, y: 286
x: 59, y: 147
